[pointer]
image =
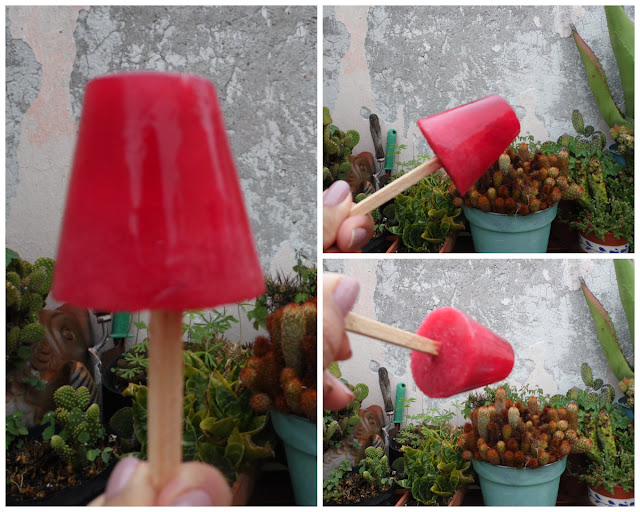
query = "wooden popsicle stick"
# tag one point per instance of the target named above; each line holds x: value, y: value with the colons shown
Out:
x: 396, y: 187
x: 378, y: 330
x: 164, y: 420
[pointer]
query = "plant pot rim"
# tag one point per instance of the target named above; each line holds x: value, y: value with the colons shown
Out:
x: 474, y: 461
x: 502, y: 215
x: 618, y: 492
x: 609, y: 239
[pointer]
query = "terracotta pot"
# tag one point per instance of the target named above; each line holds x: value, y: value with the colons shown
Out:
x: 610, y: 244
x: 619, y: 498
x: 243, y: 487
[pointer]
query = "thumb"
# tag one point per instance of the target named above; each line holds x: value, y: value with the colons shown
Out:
x: 336, y: 205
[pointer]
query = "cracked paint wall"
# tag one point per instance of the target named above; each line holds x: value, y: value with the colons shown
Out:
x: 405, y: 63
x: 537, y: 305
x: 261, y: 59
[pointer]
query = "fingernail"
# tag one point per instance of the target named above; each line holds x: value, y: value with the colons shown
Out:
x: 120, y: 476
x: 345, y: 293
x: 336, y: 193
x: 193, y: 498
x: 334, y: 385
x: 358, y: 238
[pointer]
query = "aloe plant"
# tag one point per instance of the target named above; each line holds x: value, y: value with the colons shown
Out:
x: 621, y: 34
x: 604, y: 326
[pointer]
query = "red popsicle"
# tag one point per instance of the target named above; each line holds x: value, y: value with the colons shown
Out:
x: 471, y: 355
x: 466, y: 140
x: 155, y: 219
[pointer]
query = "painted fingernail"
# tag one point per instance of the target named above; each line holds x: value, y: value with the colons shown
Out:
x: 332, y: 385
x: 336, y: 193
x: 345, y: 293
x: 193, y: 498
x: 358, y: 238
x: 120, y: 476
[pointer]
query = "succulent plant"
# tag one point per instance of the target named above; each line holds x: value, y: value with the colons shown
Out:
x: 426, y: 214
x: 338, y: 426
x: 282, y: 371
x: 625, y: 139
x: 375, y: 467
x: 81, y: 426
x: 220, y: 426
x: 518, y: 183
x: 627, y: 386
x: 337, y: 147
x: 521, y: 436
x: 27, y: 288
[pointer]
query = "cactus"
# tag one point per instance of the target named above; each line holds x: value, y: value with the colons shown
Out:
x: 345, y: 419
x: 526, y: 185
x: 81, y: 431
x: 375, y: 467
x: 337, y: 146
x: 27, y: 288
x: 627, y: 386
x: 284, y: 368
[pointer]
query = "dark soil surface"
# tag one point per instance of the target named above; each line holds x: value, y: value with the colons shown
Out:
x: 355, y: 489
x: 35, y: 471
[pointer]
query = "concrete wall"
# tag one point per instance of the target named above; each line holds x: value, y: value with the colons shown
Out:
x: 535, y: 304
x: 405, y: 63
x: 261, y: 59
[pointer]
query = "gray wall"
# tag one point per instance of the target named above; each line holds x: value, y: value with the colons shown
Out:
x: 537, y: 305
x: 405, y: 63
x: 261, y: 59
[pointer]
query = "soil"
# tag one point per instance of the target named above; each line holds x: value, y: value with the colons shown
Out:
x: 355, y: 489
x: 35, y: 471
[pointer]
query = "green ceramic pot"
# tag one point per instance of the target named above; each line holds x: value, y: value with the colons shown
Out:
x: 511, y: 487
x: 497, y: 232
x: 299, y: 438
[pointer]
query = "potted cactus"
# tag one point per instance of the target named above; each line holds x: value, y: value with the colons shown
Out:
x: 511, y: 207
x: 627, y: 386
x: 72, y: 462
x: 337, y: 148
x: 282, y: 375
x: 369, y: 483
x: 518, y: 451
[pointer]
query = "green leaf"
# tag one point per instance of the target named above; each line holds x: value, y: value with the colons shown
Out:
x: 10, y: 255
x: 48, y: 432
x: 92, y: 454
x: 84, y: 437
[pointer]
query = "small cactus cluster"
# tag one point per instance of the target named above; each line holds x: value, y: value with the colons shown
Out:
x: 627, y: 386
x: 282, y: 370
x: 80, y: 421
x: 518, y: 183
x: 596, y: 392
x: 339, y: 425
x: 625, y: 139
x: 518, y: 435
x: 28, y: 286
x: 599, y: 430
x: 337, y: 149
x: 375, y: 467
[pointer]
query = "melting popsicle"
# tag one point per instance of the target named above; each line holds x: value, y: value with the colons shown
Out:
x: 471, y: 356
x: 155, y: 220
x: 466, y: 140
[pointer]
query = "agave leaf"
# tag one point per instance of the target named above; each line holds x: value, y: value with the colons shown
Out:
x: 626, y: 279
x: 621, y: 34
x: 598, y: 83
x: 607, y: 335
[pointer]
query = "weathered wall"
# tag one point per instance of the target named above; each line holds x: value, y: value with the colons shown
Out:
x: 405, y: 63
x: 262, y: 60
x: 535, y: 304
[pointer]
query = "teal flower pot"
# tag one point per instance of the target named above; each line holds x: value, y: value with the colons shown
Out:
x: 511, y: 487
x: 497, y: 232
x: 299, y: 438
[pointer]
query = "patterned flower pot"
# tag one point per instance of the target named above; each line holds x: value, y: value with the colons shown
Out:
x: 610, y: 244
x: 619, y: 498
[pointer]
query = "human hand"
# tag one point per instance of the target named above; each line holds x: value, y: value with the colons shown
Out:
x: 339, y: 294
x: 341, y: 233
x: 197, y: 484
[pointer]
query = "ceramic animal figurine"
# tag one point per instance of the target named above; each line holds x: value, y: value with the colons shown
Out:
x: 62, y: 357
x: 361, y: 172
x: 366, y: 433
